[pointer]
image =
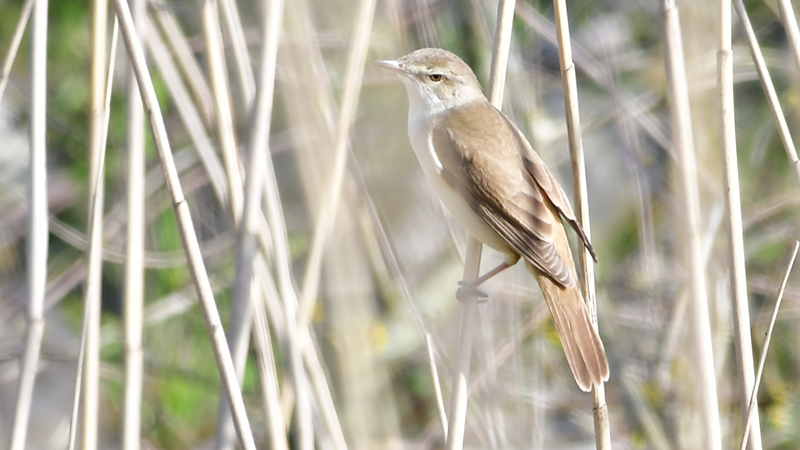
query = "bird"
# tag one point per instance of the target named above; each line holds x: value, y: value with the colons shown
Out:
x: 494, y: 184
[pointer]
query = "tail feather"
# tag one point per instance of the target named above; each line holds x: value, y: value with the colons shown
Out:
x: 582, y: 345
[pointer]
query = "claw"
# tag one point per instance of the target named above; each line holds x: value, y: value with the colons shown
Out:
x: 470, y: 290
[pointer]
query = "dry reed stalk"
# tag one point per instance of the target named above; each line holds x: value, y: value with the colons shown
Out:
x: 472, y: 259
x: 38, y: 234
x: 246, y: 244
x: 319, y: 383
x: 92, y: 301
x: 792, y: 31
x: 186, y: 61
x: 76, y: 392
x: 316, y: 373
x: 268, y: 375
x: 274, y: 241
x: 738, y: 272
x: 16, y: 39
x: 751, y: 404
x: 602, y: 427
x: 189, y: 114
x: 226, y: 134
x: 649, y: 419
x: 133, y: 300
x: 186, y: 228
x: 690, y: 223
x: 329, y: 207
x: 271, y: 299
x: 93, y: 208
x: 316, y: 118
x: 347, y: 111
x: 288, y: 308
x: 635, y: 109
x: 468, y: 309
x: 437, y: 386
x: 244, y: 67
x: 769, y: 88
x: 191, y: 118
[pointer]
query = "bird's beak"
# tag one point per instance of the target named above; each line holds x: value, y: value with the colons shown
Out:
x: 391, y: 64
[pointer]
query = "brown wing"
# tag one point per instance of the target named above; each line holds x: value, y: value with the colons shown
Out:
x: 549, y: 185
x: 484, y: 161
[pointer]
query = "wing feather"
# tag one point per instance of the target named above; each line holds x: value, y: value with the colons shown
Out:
x: 552, y: 189
x: 488, y: 167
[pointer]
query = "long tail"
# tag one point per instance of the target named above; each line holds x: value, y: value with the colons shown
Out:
x: 582, y: 345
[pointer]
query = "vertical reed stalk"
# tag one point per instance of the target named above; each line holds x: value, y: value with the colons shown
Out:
x: 602, y: 428
x: 93, y: 208
x: 690, y: 223
x: 472, y: 264
x: 738, y: 274
x: 133, y: 300
x: 186, y: 228
x: 246, y: 244
x: 38, y: 232
x: 91, y: 379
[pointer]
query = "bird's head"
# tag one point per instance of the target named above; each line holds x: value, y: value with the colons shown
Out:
x: 436, y: 79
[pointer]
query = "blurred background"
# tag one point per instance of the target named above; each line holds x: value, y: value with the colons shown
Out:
x: 390, y: 270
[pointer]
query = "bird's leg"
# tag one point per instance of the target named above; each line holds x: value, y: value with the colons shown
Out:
x: 466, y: 290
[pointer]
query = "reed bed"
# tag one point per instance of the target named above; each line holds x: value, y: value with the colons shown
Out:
x: 239, y: 173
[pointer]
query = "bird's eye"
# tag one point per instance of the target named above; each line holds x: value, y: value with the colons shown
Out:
x: 436, y: 77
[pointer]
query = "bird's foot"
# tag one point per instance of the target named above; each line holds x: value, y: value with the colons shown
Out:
x: 470, y: 290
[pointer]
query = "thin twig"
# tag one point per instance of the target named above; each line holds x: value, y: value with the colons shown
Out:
x: 76, y: 395
x: 769, y: 88
x: 16, y: 39
x: 650, y: 422
x: 316, y: 377
x: 186, y: 228
x: 767, y: 339
x: 305, y: 56
x: 792, y: 31
x: 437, y: 386
x: 692, y: 239
x: 268, y: 375
x: 189, y: 114
x: 330, y: 206
x: 224, y: 114
x: 244, y: 68
x: 185, y: 60
x: 738, y: 272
